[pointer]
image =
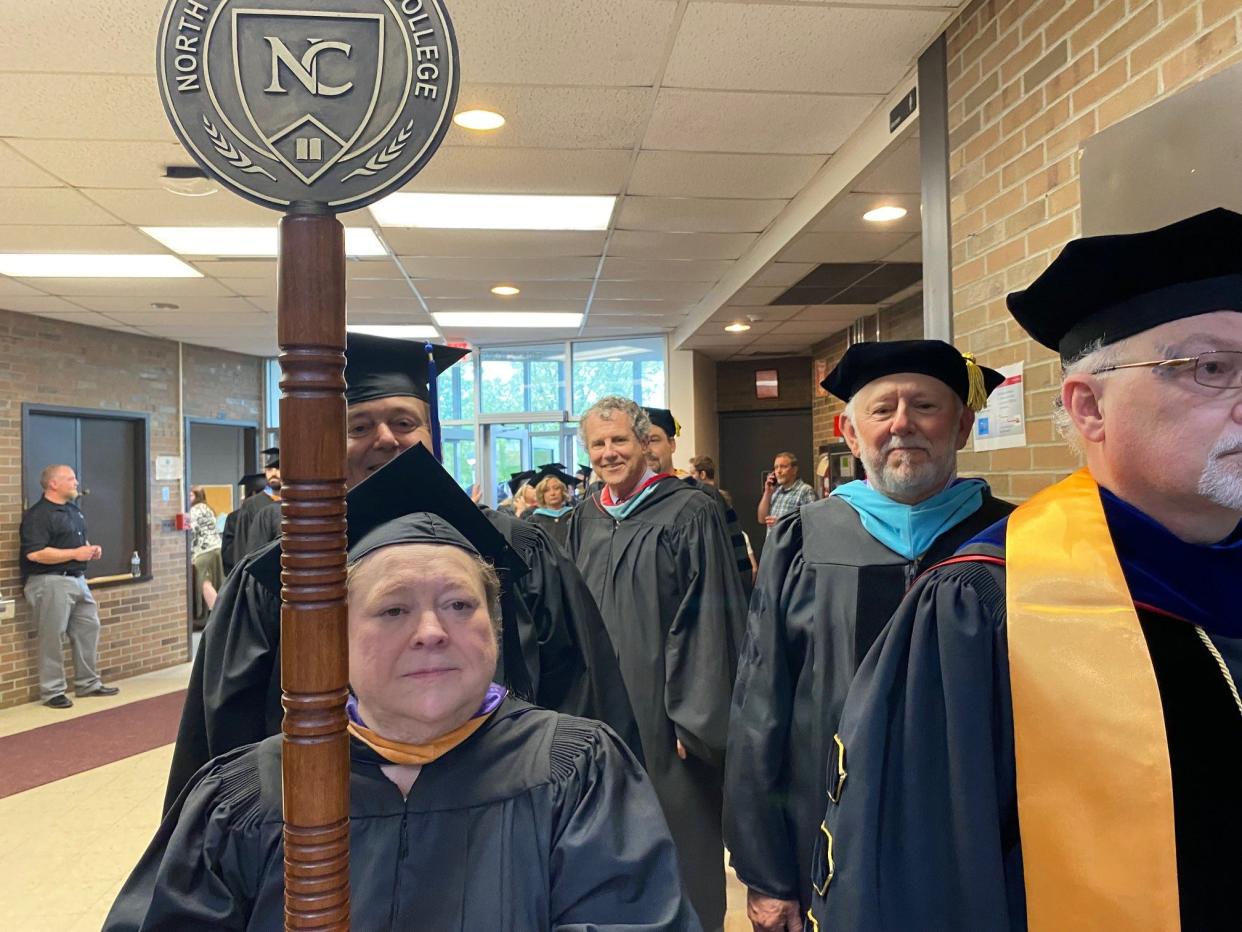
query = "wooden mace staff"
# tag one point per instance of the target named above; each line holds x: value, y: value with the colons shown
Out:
x: 314, y: 664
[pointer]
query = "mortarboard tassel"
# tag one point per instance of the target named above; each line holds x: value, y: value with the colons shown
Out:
x: 977, y: 395
x: 433, y: 397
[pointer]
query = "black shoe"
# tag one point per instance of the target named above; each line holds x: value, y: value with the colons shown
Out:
x: 101, y: 690
x: 59, y: 702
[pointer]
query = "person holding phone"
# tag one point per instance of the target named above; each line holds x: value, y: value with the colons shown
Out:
x: 783, y: 491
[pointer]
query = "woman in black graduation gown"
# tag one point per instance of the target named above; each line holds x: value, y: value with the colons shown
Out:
x: 552, y: 507
x: 469, y: 809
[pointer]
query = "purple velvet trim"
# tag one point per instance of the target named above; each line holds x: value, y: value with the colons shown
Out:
x: 492, y: 699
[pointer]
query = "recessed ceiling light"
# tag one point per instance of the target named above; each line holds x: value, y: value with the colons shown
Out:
x: 479, y: 119
x: 514, y: 321
x: 396, y: 331
x: 80, y: 265
x: 253, y: 242
x: 506, y: 291
x: 737, y: 328
x: 164, y: 306
x: 494, y: 211
x: 883, y: 214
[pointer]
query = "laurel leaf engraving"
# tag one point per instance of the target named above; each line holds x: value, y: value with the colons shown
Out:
x: 232, y: 155
x: 380, y: 159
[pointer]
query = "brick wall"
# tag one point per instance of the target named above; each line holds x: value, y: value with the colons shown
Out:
x: 735, y: 384
x: 51, y: 362
x: 1028, y: 82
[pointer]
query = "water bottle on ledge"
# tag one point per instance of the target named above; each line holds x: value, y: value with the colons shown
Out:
x: 135, y: 565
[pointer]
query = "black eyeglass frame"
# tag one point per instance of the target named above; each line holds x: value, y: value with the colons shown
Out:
x: 1179, y: 363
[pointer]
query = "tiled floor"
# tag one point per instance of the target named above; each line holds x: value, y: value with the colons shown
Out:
x: 69, y: 845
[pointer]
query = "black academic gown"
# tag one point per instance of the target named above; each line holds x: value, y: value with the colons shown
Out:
x: 538, y: 821
x: 926, y: 833
x: 826, y: 588
x: 665, y: 581
x: 568, y: 661
x: 741, y: 556
x: 240, y: 543
x: 228, y: 541
x: 556, y: 528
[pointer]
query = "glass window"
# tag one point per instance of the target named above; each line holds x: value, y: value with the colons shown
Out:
x: 455, y: 391
x: 459, y: 455
x: 523, y: 379
x: 272, y: 374
x: 632, y: 368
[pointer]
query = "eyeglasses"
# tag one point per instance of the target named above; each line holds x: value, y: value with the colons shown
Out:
x: 1221, y: 369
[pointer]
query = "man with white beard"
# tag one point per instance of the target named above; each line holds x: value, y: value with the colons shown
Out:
x: 832, y: 574
x: 1048, y: 734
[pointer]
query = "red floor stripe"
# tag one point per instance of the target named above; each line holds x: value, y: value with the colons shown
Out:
x: 53, y: 752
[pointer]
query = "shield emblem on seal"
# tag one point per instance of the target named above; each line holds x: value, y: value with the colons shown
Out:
x: 308, y: 81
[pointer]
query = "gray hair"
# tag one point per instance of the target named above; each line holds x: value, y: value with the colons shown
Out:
x: 1095, y: 355
x: 49, y: 473
x: 793, y: 460
x: 609, y: 405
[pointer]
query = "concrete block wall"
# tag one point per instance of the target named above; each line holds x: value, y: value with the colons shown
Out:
x: 54, y: 362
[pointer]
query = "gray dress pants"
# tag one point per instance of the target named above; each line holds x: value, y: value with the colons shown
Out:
x: 64, y: 605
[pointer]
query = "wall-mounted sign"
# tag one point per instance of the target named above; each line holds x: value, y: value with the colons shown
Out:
x: 167, y: 469
x: 327, y: 103
x: 1002, y: 422
x: 819, y: 372
x: 767, y: 383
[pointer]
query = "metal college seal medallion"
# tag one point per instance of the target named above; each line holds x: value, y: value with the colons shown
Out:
x: 309, y: 104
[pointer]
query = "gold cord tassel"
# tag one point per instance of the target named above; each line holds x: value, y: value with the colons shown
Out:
x: 676, y: 427
x: 977, y: 396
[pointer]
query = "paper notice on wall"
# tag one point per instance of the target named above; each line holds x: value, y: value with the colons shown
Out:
x: 167, y: 468
x: 1002, y: 423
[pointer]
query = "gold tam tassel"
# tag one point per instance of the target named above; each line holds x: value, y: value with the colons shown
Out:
x: 977, y: 395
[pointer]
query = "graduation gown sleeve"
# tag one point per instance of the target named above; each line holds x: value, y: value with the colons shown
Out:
x: 700, y: 652
x: 758, y: 813
x: 201, y: 870
x: 576, y: 670
x: 925, y: 834
x: 234, y: 693
x: 597, y: 871
x: 228, y: 542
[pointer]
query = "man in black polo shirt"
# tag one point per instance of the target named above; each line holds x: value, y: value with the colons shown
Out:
x: 54, y: 554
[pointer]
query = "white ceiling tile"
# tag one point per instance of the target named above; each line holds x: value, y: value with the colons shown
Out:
x: 490, y: 170
x: 638, y: 308
x: 372, y: 268
x: 896, y: 171
x: 757, y: 327
x: 697, y: 215
x: 480, y: 290
x: 497, y: 305
x: 38, y: 304
x: 757, y: 295
x: 237, y: 268
x: 184, y: 320
x: 159, y: 208
x: 619, y: 42
x: 49, y: 206
x: 116, y: 37
x: 910, y: 251
x: 379, y: 288
x: 828, y: 313
x: 359, y: 304
x: 104, y: 163
x: 684, y: 292
x: 782, y: 273
x: 148, y: 289
x: 509, y: 271
x: 807, y: 328
x: 76, y: 316
x: 8, y: 287
x: 710, y: 121
x: 798, y: 48
x: 84, y: 106
x: 707, y: 174
x: 845, y: 214
x: 637, y: 245
x: 20, y: 172
x: 249, y: 287
x: 842, y: 247
x: 500, y: 244
x: 664, y: 270
x: 119, y: 239
x: 120, y: 304
x: 555, y: 117
x: 752, y: 312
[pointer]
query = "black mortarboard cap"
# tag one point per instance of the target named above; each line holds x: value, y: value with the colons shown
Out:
x: 663, y: 419
x: 250, y: 477
x: 519, y: 479
x: 1107, y: 288
x: 271, y: 458
x: 411, y: 483
x: 556, y: 470
x: 381, y: 367
x: 865, y: 362
x: 585, y: 471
